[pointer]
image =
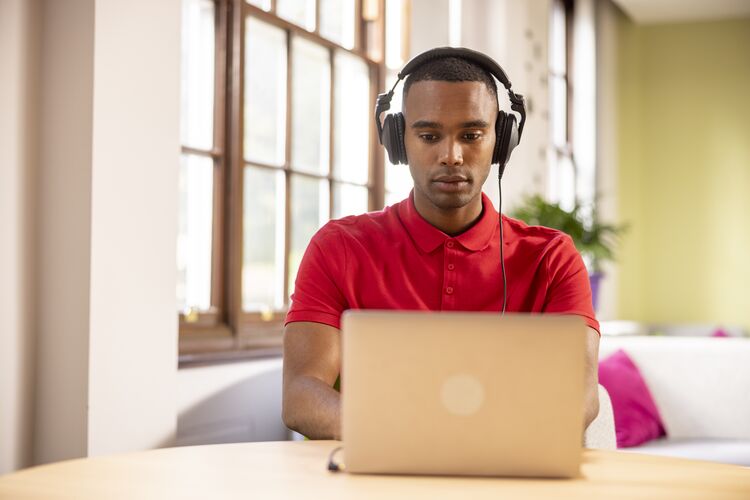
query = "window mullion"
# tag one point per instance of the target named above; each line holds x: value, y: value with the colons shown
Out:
x: 376, y: 170
x: 358, y: 27
x: 288, y: 162
x: 218, y: 293
x: 317, y: 17
x: 234, y: 183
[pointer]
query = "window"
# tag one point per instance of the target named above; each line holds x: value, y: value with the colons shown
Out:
x: 561, y: 186
x: 203, y: 164
x: 277, y: 138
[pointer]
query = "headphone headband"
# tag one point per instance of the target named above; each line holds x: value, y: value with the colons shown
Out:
x: 485, y: 62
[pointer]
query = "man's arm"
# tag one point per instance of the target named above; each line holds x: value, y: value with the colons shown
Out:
x: 312, y: 361
x: 591, y: 389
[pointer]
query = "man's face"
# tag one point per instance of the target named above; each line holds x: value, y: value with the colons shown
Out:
x: 449, y: 139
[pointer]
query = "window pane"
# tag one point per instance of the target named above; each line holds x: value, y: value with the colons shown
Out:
x: 309, y: 213
x: 559, y: 111
x: 353, y: 118
x: 263, y: 240
x: 299, y: 12
x: 557, y: 35
x: 195, y: 229
x: 337, y: 21
x: 197, y: 79
x: 393, y: 198
x: 311, y: 97
x: 263, y: 4
x: 394, y: 34
x: 349, y: 200
x: 566, y: 183
x: 399, y: 181
x: 265, y: 92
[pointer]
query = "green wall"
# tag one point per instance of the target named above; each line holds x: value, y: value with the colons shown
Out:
x: 683, y: 122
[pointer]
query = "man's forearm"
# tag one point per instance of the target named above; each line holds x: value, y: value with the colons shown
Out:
x: 312, y: 408
x: 591, y: 406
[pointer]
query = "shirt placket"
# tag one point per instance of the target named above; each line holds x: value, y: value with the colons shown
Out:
x: 448, y: 292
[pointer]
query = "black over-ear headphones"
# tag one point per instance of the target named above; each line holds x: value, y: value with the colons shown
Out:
x: 507, y: 130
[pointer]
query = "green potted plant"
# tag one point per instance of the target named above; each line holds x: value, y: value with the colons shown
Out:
x: 595, y: 241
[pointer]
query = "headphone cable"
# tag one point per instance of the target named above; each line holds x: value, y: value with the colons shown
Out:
x: 334, y: 466
x: 500, y: 217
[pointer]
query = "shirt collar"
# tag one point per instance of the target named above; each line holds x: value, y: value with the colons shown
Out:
x: 428, y: 237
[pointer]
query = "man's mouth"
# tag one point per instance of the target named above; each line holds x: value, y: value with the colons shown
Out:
x: 451, y: 178
x: 451, y: 183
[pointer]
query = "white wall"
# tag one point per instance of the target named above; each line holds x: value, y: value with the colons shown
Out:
x: 18, y: 57
x: 89, y: 145
x: 134, y: 185
x: 428, y: 31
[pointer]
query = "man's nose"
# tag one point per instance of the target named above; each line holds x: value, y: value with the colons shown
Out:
x: 451, y: 154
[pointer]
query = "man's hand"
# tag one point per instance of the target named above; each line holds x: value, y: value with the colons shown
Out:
x: 312, y: 361
x: 591, y: 388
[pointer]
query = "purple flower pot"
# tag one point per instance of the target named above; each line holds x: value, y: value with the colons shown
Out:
x: 594, y: 280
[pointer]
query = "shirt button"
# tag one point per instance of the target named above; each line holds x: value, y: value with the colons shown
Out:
x: 451, y: 267
x: 449, y: 290
x: 449, y: 244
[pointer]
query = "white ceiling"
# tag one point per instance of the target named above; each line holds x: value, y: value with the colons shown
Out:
x: 666, y: 11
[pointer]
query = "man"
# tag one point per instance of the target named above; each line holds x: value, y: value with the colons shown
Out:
x: 436, y: 250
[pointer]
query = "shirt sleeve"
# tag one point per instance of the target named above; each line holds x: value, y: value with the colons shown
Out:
x: 569, y: 289
x: 317, y: 293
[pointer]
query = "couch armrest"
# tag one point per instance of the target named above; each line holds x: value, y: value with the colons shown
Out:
x: 601, y: 432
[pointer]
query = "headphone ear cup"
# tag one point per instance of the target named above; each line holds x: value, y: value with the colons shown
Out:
x: 506, y: 129
x: 387, y: 138
x: 499, y: 139
x: 398, y: 120
x: 393, y: 138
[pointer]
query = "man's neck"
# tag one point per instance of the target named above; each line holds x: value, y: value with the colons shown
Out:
x: 452, y: 221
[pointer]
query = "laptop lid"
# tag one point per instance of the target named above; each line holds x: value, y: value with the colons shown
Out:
x: 462, y: 393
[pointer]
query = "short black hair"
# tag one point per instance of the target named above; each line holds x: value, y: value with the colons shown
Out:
x: 451, y: 69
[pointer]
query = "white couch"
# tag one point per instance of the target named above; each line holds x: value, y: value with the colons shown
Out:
x: 701, y: 386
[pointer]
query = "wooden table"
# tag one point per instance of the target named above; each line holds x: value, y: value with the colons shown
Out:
x: 297, y: 470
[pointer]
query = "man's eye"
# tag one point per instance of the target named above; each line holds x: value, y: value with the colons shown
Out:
x: 428, y: 137
x: 472, y: 136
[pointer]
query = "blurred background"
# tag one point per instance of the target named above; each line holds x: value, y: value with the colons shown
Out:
x: 164, y: 164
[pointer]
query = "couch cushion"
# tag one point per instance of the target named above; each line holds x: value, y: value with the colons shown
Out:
x: 637, y: 419
x: 730, y: 451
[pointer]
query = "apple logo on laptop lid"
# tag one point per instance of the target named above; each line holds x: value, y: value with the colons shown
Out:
x: 462, y: 394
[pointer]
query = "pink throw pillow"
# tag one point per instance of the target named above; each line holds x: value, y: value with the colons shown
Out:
x: 720, y: 333
x: 637, y: 419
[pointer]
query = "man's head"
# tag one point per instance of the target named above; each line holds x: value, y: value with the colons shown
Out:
x: 450, y: 108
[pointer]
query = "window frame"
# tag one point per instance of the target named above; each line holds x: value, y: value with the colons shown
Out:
x: 226, y: 332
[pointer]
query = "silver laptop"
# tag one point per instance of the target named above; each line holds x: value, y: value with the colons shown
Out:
x: 462, y: 393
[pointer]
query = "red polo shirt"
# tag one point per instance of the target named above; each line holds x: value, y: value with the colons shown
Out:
x: 394, y: 259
